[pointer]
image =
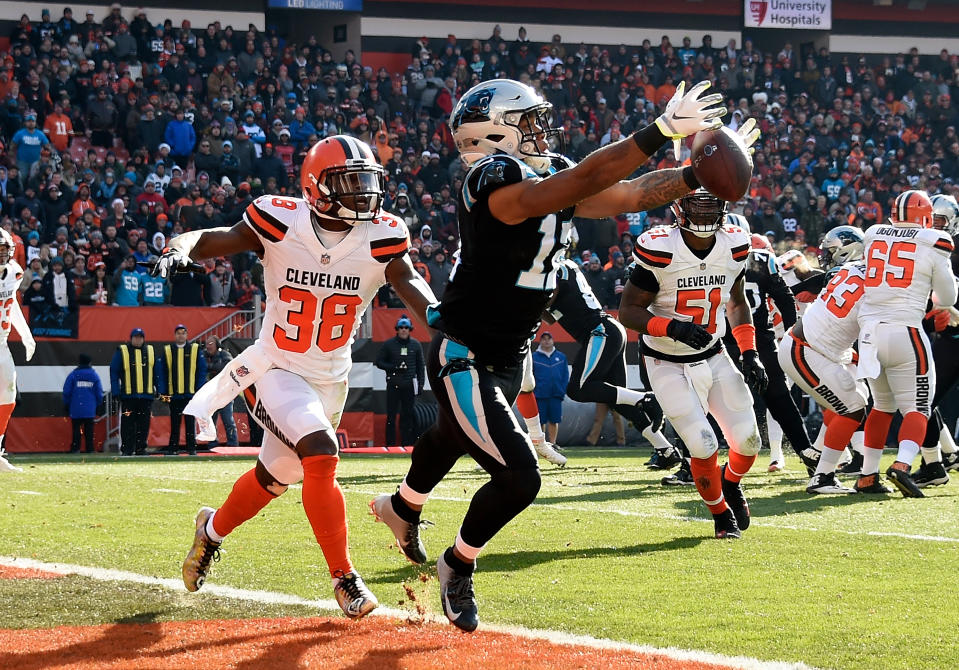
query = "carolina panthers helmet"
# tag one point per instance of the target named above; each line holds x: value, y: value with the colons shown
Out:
x: 738, y: 220
x: 700, y: 212
x: 945, y: 213
x: 841, y: 245
x: 505, y: 116
x: 912, y: 208
x: 6, y: 247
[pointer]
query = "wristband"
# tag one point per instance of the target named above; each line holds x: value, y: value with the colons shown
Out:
x: 690, y: 178
x: 745, y: 334
x: 649, y: 139
x: 656, y: 326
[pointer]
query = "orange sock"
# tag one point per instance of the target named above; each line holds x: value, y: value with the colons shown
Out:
x: 325, y: 507
x: 839, y: 432
x: 913, y: 427
x: 738, y: 466
x: 877, y: 429
x: 246, y: 499
x: 5, y: 412
x: 526, y: 404
x: 708, y: 482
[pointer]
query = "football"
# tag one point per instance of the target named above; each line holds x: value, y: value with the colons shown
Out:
x: 722, y: 163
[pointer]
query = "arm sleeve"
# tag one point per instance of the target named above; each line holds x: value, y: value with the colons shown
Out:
x: 783, y: 298
x: 200, y: 368
x: 384, y: 359
x: 67, y: 389
x: 643, y: 278
x: 813, y: 284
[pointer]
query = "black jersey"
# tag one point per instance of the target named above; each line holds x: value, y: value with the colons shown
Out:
x: 504, y: 275
x: 764, y: 282
x: 575, y: 306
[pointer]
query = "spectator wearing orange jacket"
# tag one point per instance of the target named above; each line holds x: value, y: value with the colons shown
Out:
x: 58, y: 128
x: 83, y: 203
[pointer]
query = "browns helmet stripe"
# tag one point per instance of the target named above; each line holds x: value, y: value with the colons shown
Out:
x: 903, y: 209
x: 349, y: 151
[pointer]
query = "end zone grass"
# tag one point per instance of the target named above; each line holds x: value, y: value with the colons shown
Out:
x: 835, y: 582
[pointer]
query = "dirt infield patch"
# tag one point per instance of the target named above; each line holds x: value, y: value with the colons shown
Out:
x: 371, y: 644
x: 10, y: 572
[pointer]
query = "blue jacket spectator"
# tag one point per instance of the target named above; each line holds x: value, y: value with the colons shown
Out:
x: 181, y: 137
x: 551, y: 370
x: 83, y: 390
x: 28, y: 141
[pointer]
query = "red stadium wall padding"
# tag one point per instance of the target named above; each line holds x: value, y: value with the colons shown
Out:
x: 46, y: 434
x: 393, y: 62
x: 359, y: 426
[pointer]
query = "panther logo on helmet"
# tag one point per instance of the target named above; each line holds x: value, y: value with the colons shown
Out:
x: 842, y: 244
x: 945, y: 213
x: 503, y: 116
x: 341, y: 179
x: 912, y: 208
x: 700, y: 213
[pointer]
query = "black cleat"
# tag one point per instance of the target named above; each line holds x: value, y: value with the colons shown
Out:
x: 853, y: 467
x: 826, y: 482
x: 733, y: 493
x: 457, y: 597
x: 810, y: 458
x: 950, y: 461
x: 682, y: 477
x: 664, y: 459
x: 726, y: 527
x: 930, y: 474
x: 903, y: 481
x: 871, y: 484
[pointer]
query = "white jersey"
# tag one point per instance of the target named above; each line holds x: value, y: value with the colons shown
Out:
x: 10, y: 276
x: 904, y: 264
x: 691, y: 288
x: 830, y: 324
x: 316, y: 296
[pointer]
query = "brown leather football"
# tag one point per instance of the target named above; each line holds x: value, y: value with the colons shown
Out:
x: 722, y: 163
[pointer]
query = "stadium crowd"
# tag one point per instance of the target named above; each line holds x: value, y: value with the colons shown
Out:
x: 117, y: 134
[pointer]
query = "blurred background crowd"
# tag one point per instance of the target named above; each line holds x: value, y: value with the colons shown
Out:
x: 118, y: 133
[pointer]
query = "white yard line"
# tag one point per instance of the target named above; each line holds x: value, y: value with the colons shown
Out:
x: 273, y: 598
x: 169, y: 491
x: 28, y: 493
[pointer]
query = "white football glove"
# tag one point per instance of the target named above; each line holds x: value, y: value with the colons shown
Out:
x: 749, y: 133
x: 170, y: 261
x: 688, y: 113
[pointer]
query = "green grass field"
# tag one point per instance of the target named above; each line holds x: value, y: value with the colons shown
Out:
x: 835, y: 582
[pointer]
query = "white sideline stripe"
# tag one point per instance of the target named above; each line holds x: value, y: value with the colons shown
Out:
x: 169, y: 491
x: 274, y: 598
x: 28, y: 493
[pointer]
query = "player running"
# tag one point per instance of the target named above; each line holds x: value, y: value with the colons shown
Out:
x: 906, y: 259
x: 689, y: 279
x: 817, y: 354
x: 324, y: 257
x: 10, y: 315
x: 515, y: 219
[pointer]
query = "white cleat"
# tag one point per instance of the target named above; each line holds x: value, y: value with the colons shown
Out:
x: 5, y: 465
x: 550, y: 452
x: 352, y: 595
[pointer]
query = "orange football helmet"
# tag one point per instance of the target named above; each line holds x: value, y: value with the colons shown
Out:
x: 757, y: 241
x: 342, y: 179
x: 913, y: 207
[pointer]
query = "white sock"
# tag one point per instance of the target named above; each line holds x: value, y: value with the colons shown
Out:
x: 657, y: 439
x: 411, y: 496
x: 931, y: 454
x: 946, y: 443
x: 625, y: 396
x: 908, y: 450
x: 858, y: 440
x: 212, y: 534
x: 775, y: 432
x: 870, y: 461
x: 535, y: 429
x: 828, y: 461
x: 465, y: 550
x: 820, y: 442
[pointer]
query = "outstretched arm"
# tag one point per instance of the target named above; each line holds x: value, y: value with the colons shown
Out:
x: 20, y: 323
x: 410, y: 287
x: 651, y: 190
x: 199, y: 244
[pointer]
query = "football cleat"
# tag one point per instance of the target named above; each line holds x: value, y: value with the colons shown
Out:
x: 930, y: 474
x: 826, y: 482
x: 352, y: 595
x: 550, y: 452
x: 733, y: 493
x: 810, y: 458
x: 950, y: 461
x: 407, y: 534
x: 776, y: 466
x: 682, y: 477
x: 197, y: 561
x: 903, y: 480
x: 664, y: 459
x: 5, y: 465
x: 871, y: 484
x: 725, y: 526
x: 853, y: 467
x: 457, y: 597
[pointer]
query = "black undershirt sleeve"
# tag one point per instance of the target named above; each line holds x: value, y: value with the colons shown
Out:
x: 644, y: 279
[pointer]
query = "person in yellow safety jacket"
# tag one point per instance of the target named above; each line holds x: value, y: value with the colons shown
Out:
x: 182, y: 373
x: 134, y: 382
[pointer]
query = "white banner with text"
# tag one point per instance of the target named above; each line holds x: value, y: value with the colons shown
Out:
x: 789, y: 14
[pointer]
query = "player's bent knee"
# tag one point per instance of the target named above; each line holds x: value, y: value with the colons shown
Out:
x: 703, y: 444
x: 519, y: 486
x: 269, y: 482
x: 750, y: 444
x: 320, y: 443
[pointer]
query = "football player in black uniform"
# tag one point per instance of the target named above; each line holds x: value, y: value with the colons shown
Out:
x: 515, y: 214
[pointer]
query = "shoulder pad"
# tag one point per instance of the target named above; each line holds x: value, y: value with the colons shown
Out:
x: 937, y: 239
x: 763, y: 261
x: 739, y: 242
x: 14, y: 267
x: 559, y: 163
x: 265, y: 217
x: 491, y: 173
x: 566, y: 270
x: 389, y: 237
x: 654, y: 247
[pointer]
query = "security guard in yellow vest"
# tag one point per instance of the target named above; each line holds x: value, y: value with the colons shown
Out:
x: 183, y: 372
x: 134, y: 377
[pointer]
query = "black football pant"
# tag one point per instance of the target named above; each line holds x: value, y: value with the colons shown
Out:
x: 476, y: 418
x: 134, y: 424
x: 600, y: 367
x: 87, y: 426
x: 400, y: 396
x: 945, y: 356
x: 177, y: 405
